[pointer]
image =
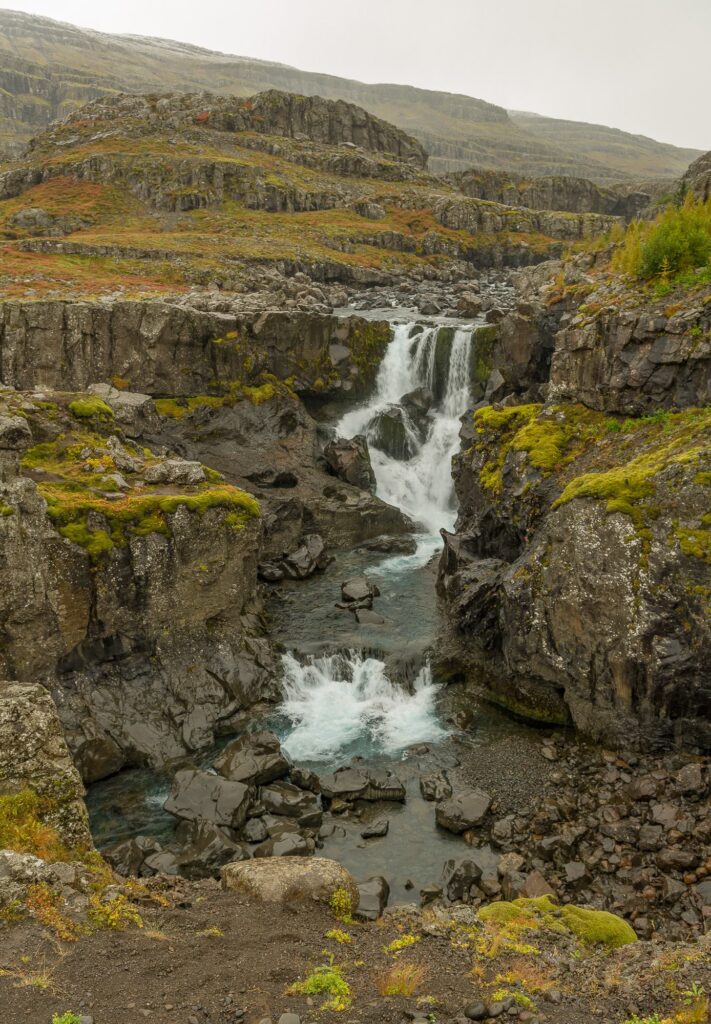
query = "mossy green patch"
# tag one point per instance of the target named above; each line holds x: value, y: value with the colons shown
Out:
x: 91, y: 408
x: 6, y: 510
x: 24, y: 827
x: 595, y: 927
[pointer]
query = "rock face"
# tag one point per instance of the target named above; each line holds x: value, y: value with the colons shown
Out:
x: 168, y: 349
x: 349, y: 460
x: 34, y: 755
x: 150, y: 642
x: 577, y: 576
x: 636, y: 361
x: 289, y: 879
x: 574, y: 195
x: 698, y: 178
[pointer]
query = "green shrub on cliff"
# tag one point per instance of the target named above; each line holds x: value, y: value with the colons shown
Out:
x: 678, y: 239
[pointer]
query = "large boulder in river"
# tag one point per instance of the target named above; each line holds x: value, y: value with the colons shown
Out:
x: 349, y: 460
x: 392, y: 432
x: 463, y: 810
x: 200, y: 795
x: 289, y: 801
x: 289, y: 879
x: 255, y: 758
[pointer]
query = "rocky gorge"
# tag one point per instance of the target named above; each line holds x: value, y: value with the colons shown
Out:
x: 362, y: 565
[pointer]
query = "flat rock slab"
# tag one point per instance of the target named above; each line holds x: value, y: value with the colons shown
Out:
x: 286, y: 879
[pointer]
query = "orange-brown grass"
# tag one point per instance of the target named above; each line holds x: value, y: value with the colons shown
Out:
x: 402, y: 979
x: 23, y: 829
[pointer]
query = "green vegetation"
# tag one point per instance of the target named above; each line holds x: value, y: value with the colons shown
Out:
x: 596, y: 927
x: 341, y: 904
x: 325, y: 980
x: 401, y: 943
x: 66, y: 1018
x: 339, y: 936
x: 25, y: 828
x: 678, y: 240
x: 91, y: 408
x: 6, y: 510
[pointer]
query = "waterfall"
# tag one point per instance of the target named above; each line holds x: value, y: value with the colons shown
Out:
x: 346, y: 701
x: 422, y: 484
x: 346, y: 704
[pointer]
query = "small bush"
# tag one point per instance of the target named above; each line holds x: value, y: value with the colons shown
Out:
x: 403, y: 979
x: 325, y: 980
x: 341, y: 903
x: 117, y: 913
x: 338, y: 935
x: 402, y: 943
x: 66, y: 1018
x: 23, y: 829
x: 678, y: 240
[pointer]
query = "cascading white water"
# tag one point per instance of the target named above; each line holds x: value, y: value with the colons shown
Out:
x: 346, y: 703
x: 422, y: 485
x: 334, y: 702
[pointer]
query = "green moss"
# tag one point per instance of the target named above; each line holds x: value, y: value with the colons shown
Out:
x: 695, y: 543
x: 6, y: 510
x: 90, y: 408
x: 326, y: 980
x: 25, y: 826
x: 368, y: 343
x: 595, y: 927
x: 96, y: 542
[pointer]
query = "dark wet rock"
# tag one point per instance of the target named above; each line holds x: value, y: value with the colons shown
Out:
x: 309, y: 557
x: 349, y: 460
x: 200, y: 795
x: 376, y: 829
x: 476, y: 1011
x: 392, y: 432
x: 435, y: 787
x: 127, y: 857
x: 459, y: 877
x: 162, y: 862
x: 367, y: 617
x: 255, y: 758
x: 205, y: 847
x: 372, y: 898
x: 290, y: 844
x: 286, y: 800
x: 359, y: 591
x: 463, y: 810
x: 304, y: 778
x: 357, y: 783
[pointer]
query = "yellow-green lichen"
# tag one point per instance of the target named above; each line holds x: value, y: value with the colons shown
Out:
x: 90, y: 408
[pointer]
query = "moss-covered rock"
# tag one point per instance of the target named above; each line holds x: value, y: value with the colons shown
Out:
x: 594, y: 927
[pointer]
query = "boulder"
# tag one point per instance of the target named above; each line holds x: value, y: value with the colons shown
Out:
x: 289, y: 879
x: 373, y: 898
x: 459, y: 875
x: 435, y: 787
x: 255, y: 759
x: 349, y: 460
x: 283, y: 798
x: 462, y: 811
x: 376, y: 829
x: 201, y: 796
x: 358, y: 590
x: 392, y: 432
x: 205, y: 848
x: 175, y: 471
x: 127, y: 856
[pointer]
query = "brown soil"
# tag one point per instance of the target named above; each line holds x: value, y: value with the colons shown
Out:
x: 174, y: 971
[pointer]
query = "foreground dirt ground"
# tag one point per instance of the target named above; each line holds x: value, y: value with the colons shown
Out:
x: 208, y: 957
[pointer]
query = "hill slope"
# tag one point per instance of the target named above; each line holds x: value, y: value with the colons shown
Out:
x: 48, y: 69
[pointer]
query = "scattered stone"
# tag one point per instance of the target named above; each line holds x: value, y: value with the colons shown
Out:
x: 376, y: 829
x: 462, y: 811
x: 287, y: 879
x: 372, y: 898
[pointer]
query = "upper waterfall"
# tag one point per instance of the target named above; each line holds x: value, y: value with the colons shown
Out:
x: 412, y: 455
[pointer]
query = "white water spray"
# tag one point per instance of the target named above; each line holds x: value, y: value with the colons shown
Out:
x: 337, y: 701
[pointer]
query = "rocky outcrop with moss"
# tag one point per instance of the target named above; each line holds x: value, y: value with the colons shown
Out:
x: 173, y: 349
x: 128, y: 585
x: 578, y: 580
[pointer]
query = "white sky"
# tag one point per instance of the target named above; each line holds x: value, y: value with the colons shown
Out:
x: 640, y: 65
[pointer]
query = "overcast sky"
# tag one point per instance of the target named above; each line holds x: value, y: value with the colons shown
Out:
x: 640, y: 65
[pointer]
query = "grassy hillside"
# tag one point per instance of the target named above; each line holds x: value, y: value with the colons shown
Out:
x: 47, y: 69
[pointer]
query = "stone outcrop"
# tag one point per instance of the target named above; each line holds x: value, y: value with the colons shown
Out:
x: 34, y: 756
x: 697, y: 179
x: 577, y: 582
x: 149, y: 637
x: 636, y: 360
x: 168, y: 349
x: 573, y: 195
